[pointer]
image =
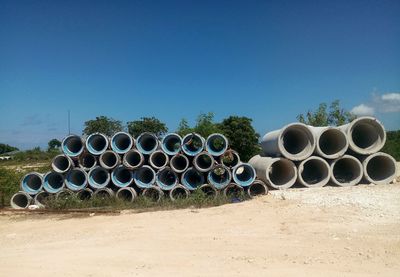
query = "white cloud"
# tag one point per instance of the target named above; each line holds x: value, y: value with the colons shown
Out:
x: 387, y: 103
x: 363, y: 109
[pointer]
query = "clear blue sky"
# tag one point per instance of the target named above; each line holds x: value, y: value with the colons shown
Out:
x: 268, y: 60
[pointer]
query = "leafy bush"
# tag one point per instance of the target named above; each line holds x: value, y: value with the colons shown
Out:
x: 9, y: 184
x: 392, y: 145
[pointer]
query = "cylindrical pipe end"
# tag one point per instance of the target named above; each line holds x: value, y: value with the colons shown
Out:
x: 121, y: 142
x: 97, y: 143
x: 346, y: 171
x: 171, y: 144
x: 20, y: 200
x: 314, y: 172
x: 258, y: 187
x: 216, y: 144
x: 178, y: 192
x: 32, y: 183
x: 244, y: 174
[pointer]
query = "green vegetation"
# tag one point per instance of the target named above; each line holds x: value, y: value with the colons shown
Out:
x: 54, y: 144
x: 9, y: 184
x: 392, y: 145
x: 147, y: 124
x: 35, y: 155
x: 5, y: 148
x: 102, y: 124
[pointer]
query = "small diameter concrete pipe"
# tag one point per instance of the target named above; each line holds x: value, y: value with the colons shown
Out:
x: 158, y: 160
x: 192, y: 144
x: 233, y: 190
x: 314, y: 172
x: 87, y: 161
x: 219, y: 177
x: 330, y: 142
x: 97, y: 143
x: 278, y: 173
x: 244, y: 174
x: 121, y: 176
x: 133, y: 159
x: 203, y: 162
x: 72, y: 146
x: 346, y: 171
x: 104, y: 193
x: 121, y: 142
x: 179, y: 163
x: 53, y: 182
x: 127, y: 194
x: 144, y: 177
x: 98, y: 177
x: 230, y: 158
x: 32, y: 183
x: 178, y: 192
x: 109, y: 160
x: 258, y: 187
x: 166, y: 179
x: 61, y: 163
x: 153, y: 193
x: 216, y: 144
x: 209, y: 190
x: 171, y: 144
x: 147, y: 143
x: 64, y: 194
x: 294, y: 141
x: 20, y: 200
x: 192, y: 179
x: 41, y: 198
x: 379, y: 168
x: 84, y: 194
x: 76, y: 179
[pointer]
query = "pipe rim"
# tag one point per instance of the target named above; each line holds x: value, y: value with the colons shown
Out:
x: 185, y: 182
x: 141, y: 184
x: 104, y: 193
x: 93, y: 183
x: 54, y: 163
x: 26, y: 187
x: 235, y: 187
x: 321, y: 182
x: 130, y: 190
x: 20, y: 194
x: 289, y: 166
x: 180, y: 187
x: 139, y: 143
x: 89, y: 146
x: 219, y: 185
x: 253, y: 185
x: 197, y: 150
x: 133, y: 152
x: 71, y: 185
x: 153, y: 156
x: 109, y: 152
x: 65, y: 148
x: 383, y: 181
x: 307, y: 149
x: 162, y: 184
x: 248, y: 167
x: 209, y: 147
x: 172, y: 163
x: 150, y: 190
x: 336, y: 154
x: 164, y: 143
x: 352, y: 182
x: 116, y: 148
x: 82, y: 158
x: 196, y: 163
x: 236, y: 158
x: 207, y: 188
x: 117, y: 182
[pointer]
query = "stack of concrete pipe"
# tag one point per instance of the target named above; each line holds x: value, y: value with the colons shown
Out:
x: 316, y: 156
x: 123, y: 167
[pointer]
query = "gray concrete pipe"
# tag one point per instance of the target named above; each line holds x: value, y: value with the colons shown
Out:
x: 32, y: 183
x: 40, y: 199
x: 233, y: 190
x: 104, y: 193
x: 153, y: 193
x: 133, y: 159
x: 61, y: 163
x: 258, y: 187
x: 127, y: 194
x: 314, y: 172
x: 121, y: 142
x: 147, y: 143
x: 87, y: 161
x: 97, y: 143
x: 171, y: 144
x: 346, y: 171
x: 203, y: 161
x: 209, y: 190
x: 216, y: 144
x: 98, y: 177
x: 76, y: 179
x: 330, y: 142
x: 230, y: 158
x: 121, y: 176
x: 53, y: 182
x: 179, y: 163
x: 178, y: 192
x: 109, y: 160
x: 20, y: 200
x: 84, y: 194
x: 379, y: 168
x: 158, y: 160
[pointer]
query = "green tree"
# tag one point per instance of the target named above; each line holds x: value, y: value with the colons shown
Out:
x: 102, y: 124
x: 392, y: 145
x: 184, y: 128
x: 54, y: 144
x: 5, y: 148
x: 338, y: 116
x: 205, y: 125
x: 147, y: 124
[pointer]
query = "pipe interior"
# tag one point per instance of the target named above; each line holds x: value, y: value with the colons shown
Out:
x: 62, y: 163
x: 208, y: 190
x: 73, y: 144
x: 193, y: 143
x: 346, y: 170
x: 230, y: 159
x: 148, y: 142
x: 34, y: 182
x: 152, y: 194
x: 98, y: 142
x: 109, y: 159
x: 244, y: 173
x: 219, y: 175
x: 332, y: 141
x: 133, y: 158
x: 366, y: 134
x: 257, y: 189
x: 380, y: 168
x: 194, y: 178
x: 100, y: 175
x: 41, y: 197
x: 172, y: 143
x: 122, y: 141
x: 281, y: 172
x: 179, y: 193
x: 123, y: 175
x: 159, y: 159
x: 296, y: 139
x: 314, y: 171
x: 217, y: 143
x: 234, y: 191
x: 204, y: 161
x: 77, y: 178
x: 179, y: 162
x: 88, y: 161
x: 125, y: 195
x: 167, y: 177
x: 21, y: 200
x: 145, y: 175
x: 103, y: 194
x: 84, y: 195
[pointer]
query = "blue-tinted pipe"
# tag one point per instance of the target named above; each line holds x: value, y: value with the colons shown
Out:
x: 72, y: 146
x: 192, y: 144
x: 76, y: 179
x: 121, y: 176
x: 219, y: 177
x: 171, y: 144
x: 98, y: 177
x: 144, y: 176
x: 166, y: 178
x: 147, y: 143
x: 244, y: 174
x: 192, y: 178
x: 216, y: 144
x: 97, y: 143
x: 32, y: 183
x: 53, y: 182
x: 121, y: 142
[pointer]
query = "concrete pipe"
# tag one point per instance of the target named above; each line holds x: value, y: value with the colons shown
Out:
x: 346, y: 171
x: 121, y: 142
x: 76, y: 179
x: 230, y: 158
x: 64, y: 194
x: 379, y: 168
x: 178, y: 192
x: 166, y: 179
x: 233, y: 191
x: 98, y: 177
x: 97, y: 143
x: 313, y: 172
x: 216, y: 144
x: 147, y: 143
x: 244, y: 174
x: 87, y: 161
x: 127, y: 194
x: 179, y: 163
x: 192, y: 179
x: 278, y: 173
x: 209, y: 190
x: 330, y: 142
x: 203, y: 162
x: 109, y: 160
x: 41, y: 198
x: 20, y: 200
x: 294, y: 141
x: 32, y: 183
x: 144, y: 177
x: 192, y: 144
x: 258, y: 187
x: 72, y: 146
x: 171, y: 144
x: 153, y: 193
x: 61, y: 163
x: 122, y: 176
x: 104, y: 193
x: 366, y: 135
x: 84, y: 194
x: 219, y: 177
x: 133, y: 159
x: 158, y: 159
x: 53, y: 182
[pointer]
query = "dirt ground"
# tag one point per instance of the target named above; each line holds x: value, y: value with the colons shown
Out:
x: 329, y: 231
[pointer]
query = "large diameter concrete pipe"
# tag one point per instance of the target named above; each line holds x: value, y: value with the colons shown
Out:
x: 203, y: 162
x: 153, y: 193
x: 158, y: 160
x: 216, y: 144
x: 171, y: 144
x: 230, y: 158
x: 64, y: 194
x: 219, y: 177
x: 126, y: 194
x: 379, y: 168
x: 97, y: 143
x: 314, y: 172
x: 41, y: 198
x: 147, y: 143
x: 133, y: 159
x: 121, y: 142
x: 244, y: 174
x: 72, y: 146
x: 346, y: 171
x: 84, y: 194
x: 61, y: 163
x: 32, y: 183
x: 192, y: 144
x: 278, y: 173
x: 166, y: 179
x: 209, y: 190
x: 233, y: 191
x: 178, y: 192
x: 87, y: 161
x: 179, y: 163
x: 258, y: 187
x: 330, y: 142
x: 366, y: 135
x: 98, y: 177
x: 122, y: 176
x: 144, y: 177
x: 104, y: 193
x: 109, y: 160
x: 53, y: 182
x: 294, y: 141
x: 76, y: 179
x: 192, y: 179
x: 20, y: 200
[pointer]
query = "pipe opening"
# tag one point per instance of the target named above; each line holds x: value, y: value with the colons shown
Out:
x: 33, y: 182
x: 97, y: 143
x: 85, y: 194
x: 192, y: 144
x: 109, y: 159
x: 230, y: 158
x: 380, y: 168
x: 208, y: 190
x: 121, y: 142
x: 99, y: 177
x: 61, y: 163
x: 296, y: 139
x: 133, y: 159
x: 87, y: 161
x: 166, y: 178
x: 204, y: 161
x: 126, y: 195
x: 282, y: 172
x: 367, y: 134
x: 219, y: 176
x: 103, y: 194
x: 42, y: 197
x: 332, y: 141
x: 147, y: 142
x: 144, y: 176
x: 123, y: 175
x: 20, y: 200
x: 76, y: 179
x: 192, y: 179
x: 217, y: 144
x: 257, y: 188
x: 159, y: 159
x: 72, y: 145
x: 64, y: 195
x: 346, y: 170
x: 179, y: 193
x: 233, y: 191
x: 314, y: 171
x: 152, y: 194
x: 244, y: 174
x: 172, y: 143
x: 179, y: 163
